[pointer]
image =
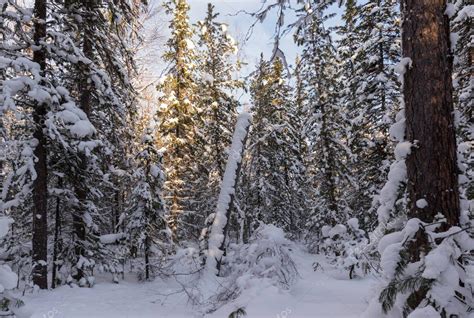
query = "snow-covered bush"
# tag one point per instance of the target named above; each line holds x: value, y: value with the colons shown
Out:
x: 266, y: 259
x: 266, y: 256
x: 8, y: 279
x: 344, y: 245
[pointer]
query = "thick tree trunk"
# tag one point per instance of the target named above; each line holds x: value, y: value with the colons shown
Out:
x: 40, y: 186
x: 432, y: 166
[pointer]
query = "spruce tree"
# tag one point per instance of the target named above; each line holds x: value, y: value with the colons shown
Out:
x: 179, y: 115
x: 216, y: 68
x: 147, y: 220
x: 326, y: 123
x: 369, y: 48
x: 273, y: 166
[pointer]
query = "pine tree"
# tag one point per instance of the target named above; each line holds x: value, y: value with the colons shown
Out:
x: 147, y: 221
x: 179, y: 115
x: 69, y: 137
x: 432, y: 235
x: 369, y: 49
x: 102, y: 84
x: 36, y: 108
x: 217, y: 67
x: 273, y: 166
x: 328, y: 150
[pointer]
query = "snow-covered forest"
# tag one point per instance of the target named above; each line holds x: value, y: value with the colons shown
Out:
x: 335, y: 184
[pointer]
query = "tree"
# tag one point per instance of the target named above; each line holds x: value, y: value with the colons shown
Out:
x: 101, y: 83
x: 221, y: 219
x: 432, y: 235
x: 369, y: 49
x: 40, y: 186
x: 326, y: 124
x: 216, y: 68
x: 147, y: 221
x: 273, y: 168
x: 178, y: 114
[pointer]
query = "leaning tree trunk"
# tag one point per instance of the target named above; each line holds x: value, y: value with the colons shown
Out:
x: 40, y: 186
x: 431, y: 165
x: 225, y: 201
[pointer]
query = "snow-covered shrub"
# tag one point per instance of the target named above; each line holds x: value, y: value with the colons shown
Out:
x: 344, y: 245
x: 266, y: 256
x: 266, y: 259
x: 8, y: 279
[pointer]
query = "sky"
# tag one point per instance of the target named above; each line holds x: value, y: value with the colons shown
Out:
x: 261, y: 39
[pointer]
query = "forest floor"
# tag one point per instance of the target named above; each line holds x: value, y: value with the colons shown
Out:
x: 317, y: 294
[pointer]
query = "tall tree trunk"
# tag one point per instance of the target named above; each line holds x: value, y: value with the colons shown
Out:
x: 40, y: 186
x: 81, y: 187
x: 431, y: 166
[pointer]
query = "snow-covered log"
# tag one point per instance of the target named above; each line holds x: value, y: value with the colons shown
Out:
x: 226, y: 196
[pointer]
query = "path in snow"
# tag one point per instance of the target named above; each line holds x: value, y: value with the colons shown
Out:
x: 315, y: 295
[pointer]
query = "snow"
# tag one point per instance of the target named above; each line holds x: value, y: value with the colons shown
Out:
x: 404, y: 64
x: 390, y: 259
x: 425, y: 312
x: 5, y: 223
x: 389, y: 239
x: 8, y: 279
x: 353, y: 223
x: 316, y: 294
x: 82, y: 128
x: 111, y: 238
x: 338, y: 229
x: 402, y: 150
x: 421, y: 203
x: 216, y: 236
x: 397, y: 130
x: 388, y: 195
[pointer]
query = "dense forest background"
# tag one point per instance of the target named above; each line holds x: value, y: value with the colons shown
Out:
x: 360, y: 149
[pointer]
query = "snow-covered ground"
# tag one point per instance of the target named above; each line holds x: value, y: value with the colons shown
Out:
x: 319, y: 294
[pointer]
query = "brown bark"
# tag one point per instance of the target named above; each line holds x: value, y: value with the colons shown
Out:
x: 431, y: 166
x: 432, y: 170
x: 40, y: 186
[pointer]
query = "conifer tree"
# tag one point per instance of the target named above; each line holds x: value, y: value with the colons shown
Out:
x: 101, y: 84
x: 217, y: 68
x: 369, y: 49
x: 328, y: 150
x: 179, y: 115
x: 273, y: 167
x: 411, y: 258
x: 147, y: 220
